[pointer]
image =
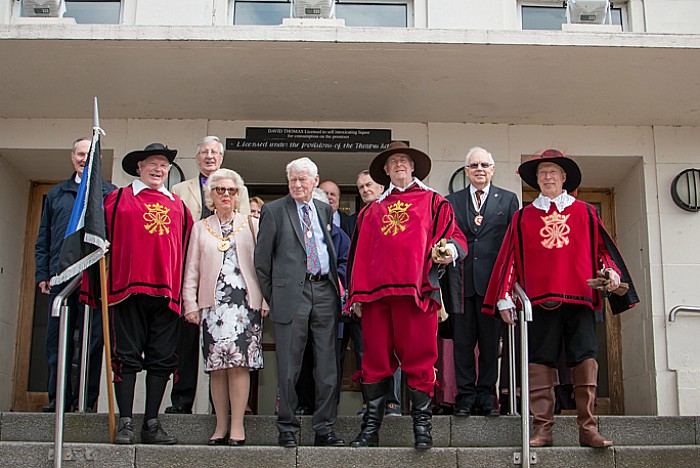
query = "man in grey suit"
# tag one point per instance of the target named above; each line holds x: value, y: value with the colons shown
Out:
x: 296, y: 266
x: 483, y: 212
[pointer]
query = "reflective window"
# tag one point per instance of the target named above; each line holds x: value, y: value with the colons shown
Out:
x: 262, y: 13
x: 552, y: 17
x: 94, y: 12
x: 355, y: 13
x: 388, y: 15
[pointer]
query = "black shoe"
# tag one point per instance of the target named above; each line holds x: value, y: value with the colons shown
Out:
x: 50, y: 408
x: 218, y: 440
x: 153, y: 433
x: 490, y: 412
x: 366, y: 439
x: 328, y: 440
x: 287, y: 439
x: 462, y: 412
x: 179, y: 409
x: 236, y: 443
x: 125, y: 432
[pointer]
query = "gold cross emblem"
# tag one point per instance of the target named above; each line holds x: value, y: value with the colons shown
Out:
x: 157, y: 218
x: 396, y: 218
x: 555, y: 231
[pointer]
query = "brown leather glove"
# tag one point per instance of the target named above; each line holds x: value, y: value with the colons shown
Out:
x: 439, y: 251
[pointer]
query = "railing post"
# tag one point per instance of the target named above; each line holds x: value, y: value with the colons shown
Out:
x: 84, y: 359
x: 526, y: 457
x: 59, y: 308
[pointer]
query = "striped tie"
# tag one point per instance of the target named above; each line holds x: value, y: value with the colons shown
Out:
x: 313, y: 264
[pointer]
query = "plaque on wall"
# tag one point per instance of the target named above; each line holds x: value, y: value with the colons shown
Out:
x: 339, y: 140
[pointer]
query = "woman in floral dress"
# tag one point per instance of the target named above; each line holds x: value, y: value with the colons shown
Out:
x: 221, y: 292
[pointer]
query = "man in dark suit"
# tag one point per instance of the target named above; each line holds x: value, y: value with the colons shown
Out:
x: 296, y: 267
x: 483, y: 212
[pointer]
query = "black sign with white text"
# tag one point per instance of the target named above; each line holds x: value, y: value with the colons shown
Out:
x: 348, y: 140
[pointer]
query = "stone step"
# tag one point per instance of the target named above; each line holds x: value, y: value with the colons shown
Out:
x: 40, y: 455
x: 448, y: 431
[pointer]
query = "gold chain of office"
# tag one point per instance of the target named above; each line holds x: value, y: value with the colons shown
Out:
x: 224, y: 245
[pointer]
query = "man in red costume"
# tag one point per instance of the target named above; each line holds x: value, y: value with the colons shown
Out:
x: 553, y: 248
x: 394, y: 286
x: 148, y: 229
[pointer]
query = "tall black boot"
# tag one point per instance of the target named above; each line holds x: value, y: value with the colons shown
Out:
x: 375, y: 396
x: 422, y: 414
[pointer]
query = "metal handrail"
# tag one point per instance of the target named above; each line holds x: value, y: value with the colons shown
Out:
x: 684, y: 308
x: 59, y: 308
x: 525, y: 316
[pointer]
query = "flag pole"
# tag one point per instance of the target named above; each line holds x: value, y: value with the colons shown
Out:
x: 105, y: 320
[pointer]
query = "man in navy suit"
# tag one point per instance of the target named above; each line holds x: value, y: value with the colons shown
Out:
x: 296, y: 265
x: 483, y: 212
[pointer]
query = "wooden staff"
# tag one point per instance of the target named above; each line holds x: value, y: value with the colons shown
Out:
x: 108, y: 350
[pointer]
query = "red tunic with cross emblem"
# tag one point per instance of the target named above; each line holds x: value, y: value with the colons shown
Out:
x: 390, y: 253
x: 551, y: 255
x: 148, y: 235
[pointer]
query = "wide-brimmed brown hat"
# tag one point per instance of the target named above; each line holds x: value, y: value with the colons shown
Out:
x: 528, y: 169
x: 130, y: 163
x: 421, y: 162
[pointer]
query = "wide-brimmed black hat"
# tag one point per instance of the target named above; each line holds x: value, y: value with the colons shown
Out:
x: 421, y: 162
x: 528, y: 169
x: 131, y: 160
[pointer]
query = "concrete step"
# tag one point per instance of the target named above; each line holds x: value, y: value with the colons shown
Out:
x: 448, y: 431
x: 40, y: 455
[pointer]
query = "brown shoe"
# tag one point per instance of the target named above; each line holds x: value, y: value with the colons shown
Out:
x: 543, y: 379
x: 585, y: 378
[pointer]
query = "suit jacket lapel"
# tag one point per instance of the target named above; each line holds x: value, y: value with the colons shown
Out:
x: 194, y: 188
x: 294, y: 218
x: 492, y: 202
x: 469, y: 210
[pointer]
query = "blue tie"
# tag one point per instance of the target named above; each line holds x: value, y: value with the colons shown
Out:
x: 313, y: 264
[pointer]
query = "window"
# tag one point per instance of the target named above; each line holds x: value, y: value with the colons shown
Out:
x: 269, y: 12
x: 543, y: 17
x: 94, y: 11
x: 355, y: 13
x: 375, y: 14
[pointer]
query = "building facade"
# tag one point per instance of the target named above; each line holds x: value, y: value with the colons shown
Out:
x: 624, y: 101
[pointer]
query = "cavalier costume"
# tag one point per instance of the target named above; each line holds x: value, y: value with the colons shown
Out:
x: 392, y: 275
x: 551, y: 249
x: 148, y: 231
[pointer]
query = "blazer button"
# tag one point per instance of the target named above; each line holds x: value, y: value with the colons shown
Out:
x: 301, y: 283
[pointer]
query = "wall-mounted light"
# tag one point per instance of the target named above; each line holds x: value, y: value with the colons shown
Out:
x: 685, y: 190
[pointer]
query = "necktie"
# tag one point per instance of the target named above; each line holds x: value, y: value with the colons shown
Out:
x: 313, y: 264
x: 478, y: 199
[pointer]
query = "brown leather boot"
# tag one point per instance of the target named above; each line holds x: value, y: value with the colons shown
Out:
x: 543, y: 379
x: 585, y: 377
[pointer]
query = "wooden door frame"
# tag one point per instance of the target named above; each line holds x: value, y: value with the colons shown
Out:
x: 22, y: 399
x: 613, y: 326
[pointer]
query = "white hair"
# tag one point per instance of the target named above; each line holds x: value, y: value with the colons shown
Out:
x: 210, y: 139
x: 478, y: 149
x: 320, y: 195
x: 223, y: 174
x: 303, y: 165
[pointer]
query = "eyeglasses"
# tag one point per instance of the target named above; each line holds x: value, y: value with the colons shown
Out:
x: 222, y: 190
x: 212, y: 152
x: 484, y: 165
